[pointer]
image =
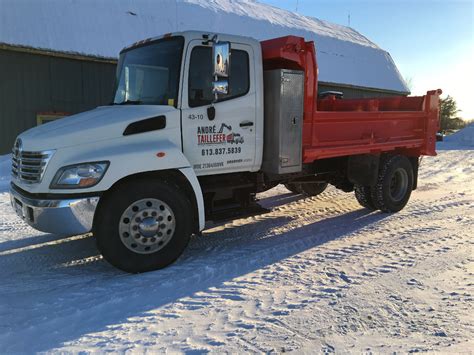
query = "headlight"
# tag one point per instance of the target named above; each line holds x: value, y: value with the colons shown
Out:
x: 79, y: 176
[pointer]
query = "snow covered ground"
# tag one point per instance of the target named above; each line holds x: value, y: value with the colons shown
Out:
x: 313, y: 274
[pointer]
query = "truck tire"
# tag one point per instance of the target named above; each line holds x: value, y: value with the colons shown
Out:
x: 294, y: 187
x: 314, y: 189
x: 394, y: 184
x: 143, y: 225
x: 364, y: 196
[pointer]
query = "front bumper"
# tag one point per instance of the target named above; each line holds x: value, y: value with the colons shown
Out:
x: 56, y: 216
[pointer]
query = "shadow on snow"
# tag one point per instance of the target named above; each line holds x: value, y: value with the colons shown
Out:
x: 54, y: 290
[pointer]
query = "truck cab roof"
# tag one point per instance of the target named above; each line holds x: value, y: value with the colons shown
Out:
x: 192, y: 35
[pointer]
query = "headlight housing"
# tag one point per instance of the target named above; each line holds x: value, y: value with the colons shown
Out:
x: 79, y: 176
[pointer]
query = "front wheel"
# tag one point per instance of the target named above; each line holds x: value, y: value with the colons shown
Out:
x: 143, y: 225
x: 394, y: 184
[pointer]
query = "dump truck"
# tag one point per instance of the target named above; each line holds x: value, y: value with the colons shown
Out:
x: 199, y: 124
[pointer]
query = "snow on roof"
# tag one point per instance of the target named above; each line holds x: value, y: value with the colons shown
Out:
x: 103, y: 27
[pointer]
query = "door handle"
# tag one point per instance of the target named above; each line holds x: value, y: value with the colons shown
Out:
x: 246, y: 124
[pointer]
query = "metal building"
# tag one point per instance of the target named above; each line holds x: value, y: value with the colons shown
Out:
x: 36, y: 86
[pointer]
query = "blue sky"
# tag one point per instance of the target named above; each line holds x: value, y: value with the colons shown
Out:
x: 431, y: 41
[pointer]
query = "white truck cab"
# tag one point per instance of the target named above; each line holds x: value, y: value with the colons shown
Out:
x: 129, y: 171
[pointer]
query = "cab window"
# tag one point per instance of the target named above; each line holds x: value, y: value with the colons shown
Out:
x: 200, y: 76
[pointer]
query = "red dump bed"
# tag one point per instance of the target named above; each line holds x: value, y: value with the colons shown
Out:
x: 339, y: 127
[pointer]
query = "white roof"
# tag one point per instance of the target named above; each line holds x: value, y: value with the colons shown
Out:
x: 103, y: 27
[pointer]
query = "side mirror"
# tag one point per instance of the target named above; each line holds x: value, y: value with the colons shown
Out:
x: 220, y: 87
x: 221, y: 67
x: 221, y: 58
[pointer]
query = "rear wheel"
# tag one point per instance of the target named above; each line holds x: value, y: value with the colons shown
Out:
x: 364, y: 196
x: 314, y: 189
x: 143, y: 225
x: 308, y: 189
x: 294, y: 187
x: 394, y: 184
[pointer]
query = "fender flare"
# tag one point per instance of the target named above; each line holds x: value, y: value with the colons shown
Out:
x: 194, y: 182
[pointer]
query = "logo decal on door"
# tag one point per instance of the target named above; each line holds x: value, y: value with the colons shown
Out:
x: 210, y: 135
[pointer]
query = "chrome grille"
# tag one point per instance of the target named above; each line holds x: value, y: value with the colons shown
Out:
x: 29, y: 167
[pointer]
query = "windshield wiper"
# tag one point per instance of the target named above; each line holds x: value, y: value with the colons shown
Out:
x: 129, y: 102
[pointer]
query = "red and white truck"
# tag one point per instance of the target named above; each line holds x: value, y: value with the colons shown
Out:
x: 200, y: 123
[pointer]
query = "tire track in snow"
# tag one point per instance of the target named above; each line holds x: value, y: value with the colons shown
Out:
x: 365, y: 249
x: 249, y: 231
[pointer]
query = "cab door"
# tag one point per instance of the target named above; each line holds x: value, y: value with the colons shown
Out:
x: 219, y: 137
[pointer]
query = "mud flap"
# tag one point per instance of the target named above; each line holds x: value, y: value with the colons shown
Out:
x: 363, y: 169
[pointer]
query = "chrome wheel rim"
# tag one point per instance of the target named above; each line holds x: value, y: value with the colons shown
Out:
x: 399, y: 184
x: 147, y: 226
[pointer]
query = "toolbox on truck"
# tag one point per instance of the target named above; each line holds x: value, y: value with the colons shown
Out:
x: 283, y: 107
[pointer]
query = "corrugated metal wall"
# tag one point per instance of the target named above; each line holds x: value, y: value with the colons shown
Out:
x: 32, y: 83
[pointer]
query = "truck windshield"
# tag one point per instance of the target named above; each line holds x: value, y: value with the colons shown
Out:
x: 149, y: 74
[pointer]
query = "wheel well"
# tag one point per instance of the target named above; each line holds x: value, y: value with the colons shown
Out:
x: 172, y: 176
x: 363, y: 169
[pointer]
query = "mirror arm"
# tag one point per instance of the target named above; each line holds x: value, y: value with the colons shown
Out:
x: 213, y: 39
x: 216, y: 96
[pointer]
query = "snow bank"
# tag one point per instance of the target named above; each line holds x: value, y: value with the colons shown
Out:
x: 5, y: 168
x: 102, y: 28
x: 464, y: 138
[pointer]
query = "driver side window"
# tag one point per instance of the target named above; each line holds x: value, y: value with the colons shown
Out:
x: 200, y: 76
